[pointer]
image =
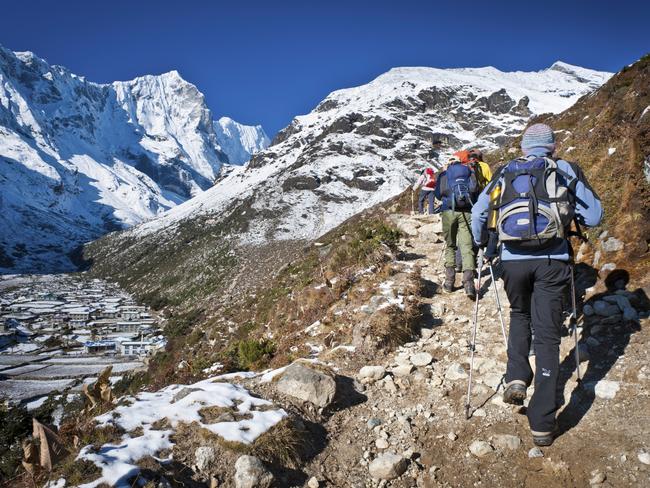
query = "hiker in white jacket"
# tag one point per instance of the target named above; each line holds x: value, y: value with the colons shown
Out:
x: 427, y: 184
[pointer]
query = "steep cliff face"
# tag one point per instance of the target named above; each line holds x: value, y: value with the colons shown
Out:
x: 240, y: 141
x: 79, y: 159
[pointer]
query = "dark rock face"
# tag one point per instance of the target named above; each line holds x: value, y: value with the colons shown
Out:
x: 522, y: 108
x: 301, y: 183
x: 498, y: 102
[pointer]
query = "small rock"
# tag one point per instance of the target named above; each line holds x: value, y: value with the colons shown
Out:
x: 452, y: 436
x: 308, y: 384
x: 630, y: 314
x: 479, y: 412
x: 251, y: 473
x: 597, y: 478
x: 381, y: 444
x: 421, y: 359
x: 402, y: 370
x: 373, y: 422
x: 426, y: 333
x: 605, y: 309
x: 389, y: 384
x: 313, y: 482
x: 612, y: 245
x: 506, y: 441
x: 373, y: 373
x: 204, y: 457
x: 644, y: 457
x: 183, y: 392
x: 535, y: 452
x: 606, y: 389
x: 455, y: 372
x: 480, y: 448
x: 388, y: 466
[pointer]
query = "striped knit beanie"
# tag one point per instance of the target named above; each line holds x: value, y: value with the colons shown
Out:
x: 538, y: 136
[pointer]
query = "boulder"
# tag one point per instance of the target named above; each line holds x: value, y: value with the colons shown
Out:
x: 644, y: 457
x: 251, y: 473
x: 304, y: 382
x: 421, y: 359
x: 388, y: 466
x: 372, y: 373
x: 402, y: 370
x: 480, y: 448
x: 535, y: 452
x: 313, y: 482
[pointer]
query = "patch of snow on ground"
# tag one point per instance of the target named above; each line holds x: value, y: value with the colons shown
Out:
x: 118, y: 461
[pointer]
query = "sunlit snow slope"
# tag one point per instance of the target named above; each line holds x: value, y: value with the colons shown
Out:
x: 362, y: 145
x: 78, y: 159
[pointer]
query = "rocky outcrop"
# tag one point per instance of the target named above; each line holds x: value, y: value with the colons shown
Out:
x: 306, y: 383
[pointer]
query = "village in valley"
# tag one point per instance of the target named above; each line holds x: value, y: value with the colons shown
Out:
x: 58, y: 332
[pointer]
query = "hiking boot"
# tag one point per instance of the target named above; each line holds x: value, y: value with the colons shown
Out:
x: 545, y: 440
x: 450, y: 277
x: 515, y: 394
x: 468, y: 284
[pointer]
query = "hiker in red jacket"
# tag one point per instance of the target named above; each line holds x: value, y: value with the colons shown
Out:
x: 427, y: 184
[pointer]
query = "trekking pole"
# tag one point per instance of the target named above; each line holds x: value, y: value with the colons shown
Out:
x: 574, y: 321
x: 444, y: 248
x: 412, y: 202
x: 473, y: 344
x: 496, y: 296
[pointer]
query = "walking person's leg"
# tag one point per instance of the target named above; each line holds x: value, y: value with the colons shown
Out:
x: 421, y: 198
x: 466, y: 247
x: 518, y: 283
x: 449, y: 229
x: 551, y: 280
x: 431, y: 201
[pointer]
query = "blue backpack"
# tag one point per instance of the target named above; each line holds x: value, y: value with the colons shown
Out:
x: 460, y: 187
x: 536, y: 205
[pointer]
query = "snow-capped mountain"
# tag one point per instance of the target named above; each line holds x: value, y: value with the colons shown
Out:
x: 362, y: 145
x: 78, y: 159
x: 239, y: 141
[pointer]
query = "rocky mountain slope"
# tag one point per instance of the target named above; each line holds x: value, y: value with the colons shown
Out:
x: 239, y: 141
x: 378, y: 398
x: 79, y: 159
x: 357, y: 148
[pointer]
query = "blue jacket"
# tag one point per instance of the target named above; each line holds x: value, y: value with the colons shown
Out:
x: 589, y: 212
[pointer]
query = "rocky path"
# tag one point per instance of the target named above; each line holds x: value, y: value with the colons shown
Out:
x: 411, y: 430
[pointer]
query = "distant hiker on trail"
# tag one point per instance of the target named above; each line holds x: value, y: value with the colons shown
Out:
x: 427, y: 184
x: 457, y: 190
x: 481, y: 169
x: 534, y: 201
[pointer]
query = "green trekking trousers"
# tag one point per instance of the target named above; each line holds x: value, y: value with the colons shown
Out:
x: 456, y: 227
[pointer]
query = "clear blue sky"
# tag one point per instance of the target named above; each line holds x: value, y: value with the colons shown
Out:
x: 264, y: 62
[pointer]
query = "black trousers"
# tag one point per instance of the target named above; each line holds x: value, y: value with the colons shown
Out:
x: 535, y: 289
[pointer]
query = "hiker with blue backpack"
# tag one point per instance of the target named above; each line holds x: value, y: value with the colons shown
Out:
x: 457, y: 188
x: 529, y: 207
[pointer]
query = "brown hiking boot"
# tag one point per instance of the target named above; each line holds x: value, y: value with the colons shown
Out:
x: 468, y: 284
x: 450, y: 277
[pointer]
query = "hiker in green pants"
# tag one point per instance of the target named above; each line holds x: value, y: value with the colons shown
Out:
x: 457, y: 189
x: 455, y: 226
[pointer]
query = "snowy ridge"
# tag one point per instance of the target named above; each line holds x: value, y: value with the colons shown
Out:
x: 79, y: 159
x: 239, y: 141
x: 365, y: 144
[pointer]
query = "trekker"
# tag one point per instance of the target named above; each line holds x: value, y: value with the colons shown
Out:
x: 427, y: 184
x: 457, y: 190
x: 538, y: 199
x: 481, y: 169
